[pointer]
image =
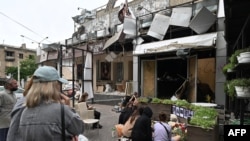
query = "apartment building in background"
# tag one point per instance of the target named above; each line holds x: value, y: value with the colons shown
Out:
x: 12, y: 55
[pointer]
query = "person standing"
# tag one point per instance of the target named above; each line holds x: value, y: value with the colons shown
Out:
x: 13, y: 134
x: 7, y: 102
x: 41, y: 119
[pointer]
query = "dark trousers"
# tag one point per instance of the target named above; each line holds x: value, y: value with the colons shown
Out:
x: 3, y: 134
x: 97, y: 115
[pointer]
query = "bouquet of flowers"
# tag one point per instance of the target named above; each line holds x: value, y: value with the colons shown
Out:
x: 179, y: 129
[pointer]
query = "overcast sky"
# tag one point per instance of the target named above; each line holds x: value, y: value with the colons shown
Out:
x: 37, y: 19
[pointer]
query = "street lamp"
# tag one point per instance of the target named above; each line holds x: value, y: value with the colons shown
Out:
x: 43, y: 40
x: 33, y: 41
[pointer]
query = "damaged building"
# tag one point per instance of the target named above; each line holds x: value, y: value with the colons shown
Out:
x: 160, y: 48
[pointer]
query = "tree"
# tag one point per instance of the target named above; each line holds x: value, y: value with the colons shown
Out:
x: 27, y: 68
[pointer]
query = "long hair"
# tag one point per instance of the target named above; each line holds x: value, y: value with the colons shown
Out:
x: 83, y: 97
x: 43, y: 92
x: 28, y: 86
x: 136, y: 113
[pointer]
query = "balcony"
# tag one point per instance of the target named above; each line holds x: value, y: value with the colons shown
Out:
x: 9, y: 58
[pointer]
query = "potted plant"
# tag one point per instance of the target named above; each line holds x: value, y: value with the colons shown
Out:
x: 234, y: 57
x: 233, y: 60
x: 244, y: 56
x: 228, y: 68
x: 243, y: 82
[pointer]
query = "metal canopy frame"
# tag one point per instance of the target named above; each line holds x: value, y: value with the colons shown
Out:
x: 75, y: 47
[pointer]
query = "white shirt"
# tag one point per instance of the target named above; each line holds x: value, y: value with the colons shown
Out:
x: 160, y: 133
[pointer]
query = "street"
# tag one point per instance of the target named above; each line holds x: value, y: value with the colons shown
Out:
x: 108, y: 119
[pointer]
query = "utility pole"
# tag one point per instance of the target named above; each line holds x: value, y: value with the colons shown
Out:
x: 18, y: 71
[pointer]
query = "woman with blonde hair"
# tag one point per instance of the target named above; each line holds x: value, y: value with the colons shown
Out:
x: 41, y: 119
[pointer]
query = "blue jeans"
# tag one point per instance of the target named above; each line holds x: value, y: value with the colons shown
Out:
x: 3, y: 134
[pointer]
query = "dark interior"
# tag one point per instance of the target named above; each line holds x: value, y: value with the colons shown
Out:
x: 171, y: 73
x: 236, y: 14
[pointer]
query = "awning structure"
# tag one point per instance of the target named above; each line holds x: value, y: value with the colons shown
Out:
x: 197, y: 41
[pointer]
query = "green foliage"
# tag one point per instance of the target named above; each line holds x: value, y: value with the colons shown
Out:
x: 156, y: 100
x: 227, y: 67
x: 233, y: 58
x: 167, y: 101
x: 12, y: 71
x: 204, y: 117
x: 143, y: 99
x: 230, y: 85
x: 182, y: 103
x: 27, y: 68
x: 194, y: 107
x: 233, y: 61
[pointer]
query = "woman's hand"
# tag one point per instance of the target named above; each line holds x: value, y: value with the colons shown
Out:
x: 91, y: 108
x: 132, y: 98
x: 65, y: 100
x: 74, y: 138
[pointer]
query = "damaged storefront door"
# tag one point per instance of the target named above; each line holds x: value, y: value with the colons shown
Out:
x: 192, y: 78
x: 148, y: 78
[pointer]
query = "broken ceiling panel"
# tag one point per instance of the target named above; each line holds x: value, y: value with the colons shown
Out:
x: 129, y: 26
x: 145, y: 21
x: 112, y: 40
x: 202, y: 21
x: 159, y: 26
x: 181, y: 16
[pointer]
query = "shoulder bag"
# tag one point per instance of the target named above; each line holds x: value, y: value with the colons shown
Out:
x: 63, y: 122
x: 166, y: 131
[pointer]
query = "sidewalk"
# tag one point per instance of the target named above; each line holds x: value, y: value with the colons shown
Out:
x: 108, y: 119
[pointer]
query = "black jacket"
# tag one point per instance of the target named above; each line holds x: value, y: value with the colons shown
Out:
x: 124, y: 115
x: 142, y: 130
